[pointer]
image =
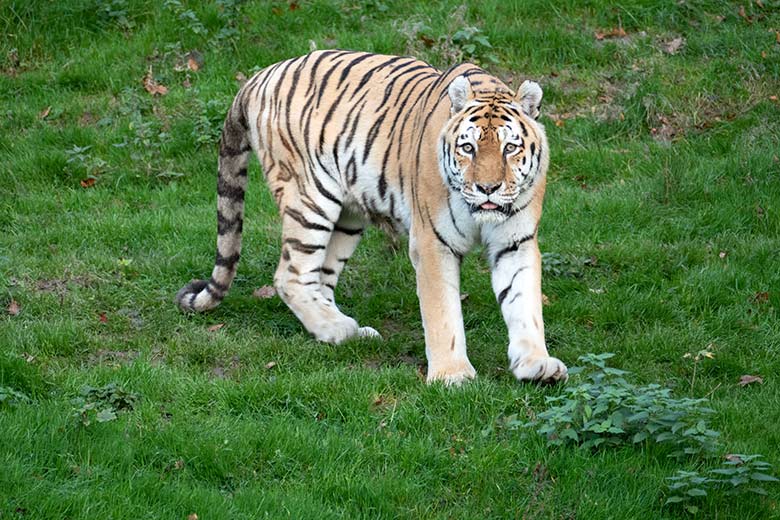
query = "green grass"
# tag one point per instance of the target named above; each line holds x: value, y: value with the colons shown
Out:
x: 681, y: 223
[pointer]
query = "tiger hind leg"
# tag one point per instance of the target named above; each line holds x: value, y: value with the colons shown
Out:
x: 307, y: 232
x: 345, y: 237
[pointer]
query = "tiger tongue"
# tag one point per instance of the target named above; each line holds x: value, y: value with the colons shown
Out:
x: 488, y: 205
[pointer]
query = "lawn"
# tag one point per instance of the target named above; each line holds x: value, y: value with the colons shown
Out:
x: 661, y: 236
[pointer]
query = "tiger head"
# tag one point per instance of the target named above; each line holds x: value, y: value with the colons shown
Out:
x: 492, y: 150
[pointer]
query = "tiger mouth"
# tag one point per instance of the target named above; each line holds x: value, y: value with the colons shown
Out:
x: 490, y: 207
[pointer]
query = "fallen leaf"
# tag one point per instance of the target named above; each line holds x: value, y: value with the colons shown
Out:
x: 195, y: 60
x: 294, y: 6
x: 88, y: 182
x: 773, y: 98
x: 731, y: 457
x: 763, y: 55
x: 216, y: 327
x: 673, y: 46
x: 45, y: 112
x: 722, y: 255
x: 743, y: 15
x: 545, y: 299
x: 760, y: 212
x: 559, y: 123
x: 760, y: 4
x: 103, y: 318
x: 240, y: 77
x: 192, y: 516
x: 761, y: 297
x: 464, y: 296
x: 28, y: 357
x: 186, y: 83
x: 152, y: 87
x: 270, y: 365
x: 264, y: 292
x: 748, y: 380
x: 615, y: 32
x: 13, y: 308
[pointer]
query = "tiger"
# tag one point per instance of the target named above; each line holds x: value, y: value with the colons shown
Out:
x: 452, y: 159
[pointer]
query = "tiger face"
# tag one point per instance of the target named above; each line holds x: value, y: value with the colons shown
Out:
x: 491, y: 148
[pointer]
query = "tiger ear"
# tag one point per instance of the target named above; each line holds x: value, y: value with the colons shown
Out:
x: 529, y: 97
x: 460, y: 93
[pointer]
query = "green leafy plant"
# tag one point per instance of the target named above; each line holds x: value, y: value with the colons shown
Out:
x: 81, y: 162
x: 738, y: 474
x: 102, y: 404
x: 208, y: 121
x: 10, y: 397
x: 474, y: 45
x: 604, y: 409
x: 115, y: 12
x: 556, y: 264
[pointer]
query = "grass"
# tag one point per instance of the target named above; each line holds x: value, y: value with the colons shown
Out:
x: 665, y: 174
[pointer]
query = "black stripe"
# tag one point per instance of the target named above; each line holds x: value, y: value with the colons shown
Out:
x: 227, y: 151
x: 502, y: 295
x: 347, y: 231
x: 225, y: 225
x: 345, y: 72
x: 228, y: 191
x: 514, y: 246
x: 327, y: 271
x: 219, y: 286
x: 300, y: 219
x: 227, y: 261
x: 302, y: 247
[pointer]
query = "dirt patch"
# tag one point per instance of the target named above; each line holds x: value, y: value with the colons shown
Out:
x: 113, y: 357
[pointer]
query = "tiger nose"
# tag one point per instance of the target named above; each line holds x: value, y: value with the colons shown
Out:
x: 487, y: 189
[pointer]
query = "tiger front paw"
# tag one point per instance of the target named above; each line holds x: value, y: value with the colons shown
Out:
x: 454, y: 374
x: 543, y: 369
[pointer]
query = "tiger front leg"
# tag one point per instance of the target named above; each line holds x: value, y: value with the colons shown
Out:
x: 517, y: 282
x: 438, y: 289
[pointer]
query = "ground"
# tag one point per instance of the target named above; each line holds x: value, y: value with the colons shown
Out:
x: 660, y: 235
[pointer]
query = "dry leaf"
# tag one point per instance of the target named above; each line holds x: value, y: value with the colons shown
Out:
x: 722, y: 255
x: 216, y: 327
x: 464, y: 296
x: 760, y: 4
x: 192, y: 516
x: 673, y: 46
x: 743, y: 15
x: 13, y: 308
x: 761, y: 297
x: 44, y: 113
x: 773, y: 98
x: 152, y: 87
x: 545, y: 299
x: 195, y: 60
x: 748, y: 380
x: 240, y: 77
x: 103, y: 318
x: 28, y: 357
x: 615, y: 32
x: 88, y: 182
x: 264, y: 292
x: 294, y: 6
x: 734, y: 458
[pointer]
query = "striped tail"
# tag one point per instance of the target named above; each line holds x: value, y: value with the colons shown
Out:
x: 234, y: 151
